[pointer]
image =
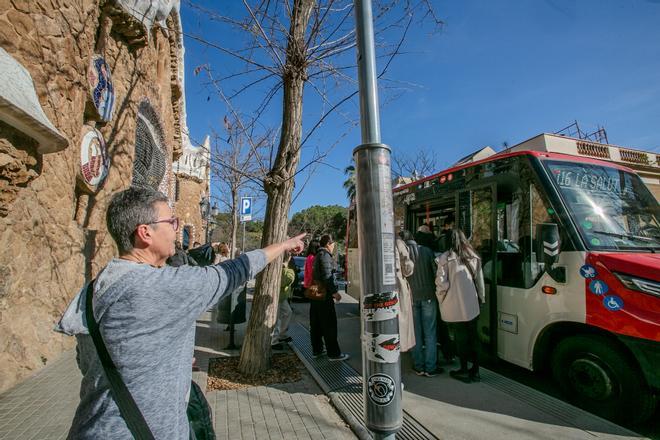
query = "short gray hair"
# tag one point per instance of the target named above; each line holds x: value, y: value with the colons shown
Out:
x: 127, y: 210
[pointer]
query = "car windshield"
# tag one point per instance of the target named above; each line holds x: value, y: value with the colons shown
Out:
x: 612, y: 208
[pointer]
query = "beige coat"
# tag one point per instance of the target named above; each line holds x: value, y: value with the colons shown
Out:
x: 459, y: 296
x: 404, y: 268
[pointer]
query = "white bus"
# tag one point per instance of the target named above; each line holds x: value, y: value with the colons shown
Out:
x: 590, y: 313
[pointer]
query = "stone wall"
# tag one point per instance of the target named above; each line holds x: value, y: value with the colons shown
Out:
x: 52, y: 232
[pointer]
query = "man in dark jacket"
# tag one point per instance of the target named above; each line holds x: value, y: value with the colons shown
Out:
x: 322, y: 314
x: 425, y: 309
x: 444, y: 241
x: 425, y: 237
x: 180, y: 257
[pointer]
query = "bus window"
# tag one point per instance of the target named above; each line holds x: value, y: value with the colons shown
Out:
x: 612, y: 209
x: 475, y: 216
x: 520, y: 207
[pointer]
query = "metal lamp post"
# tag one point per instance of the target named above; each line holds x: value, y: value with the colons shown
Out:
x: 381, y: 368
x: 208, y: 214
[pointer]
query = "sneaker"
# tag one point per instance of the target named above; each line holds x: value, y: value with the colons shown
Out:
x: 434, y: 373
x: 418, y: 372
x: 341, y: 357
x: 286, y: 340
x: 462, y: 375
x: 318, y: 355
x: 474, y: 376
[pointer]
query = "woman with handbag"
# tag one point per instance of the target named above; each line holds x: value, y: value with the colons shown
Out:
x: 312, y: 249
x: 322, y: 314
x: 460, y: 290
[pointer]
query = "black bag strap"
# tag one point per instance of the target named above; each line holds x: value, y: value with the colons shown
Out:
x: 123, y: 398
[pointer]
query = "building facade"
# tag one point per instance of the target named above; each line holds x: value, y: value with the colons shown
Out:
x: 192, y: 176
x: 91, y: 102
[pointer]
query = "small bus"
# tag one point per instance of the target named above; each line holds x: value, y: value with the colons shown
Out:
x: 570, y: 248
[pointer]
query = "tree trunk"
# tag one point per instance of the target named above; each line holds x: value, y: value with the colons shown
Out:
x: 234, y: 223
x: 256, y: 353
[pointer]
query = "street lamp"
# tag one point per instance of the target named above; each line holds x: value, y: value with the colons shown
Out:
x: 208, y: 214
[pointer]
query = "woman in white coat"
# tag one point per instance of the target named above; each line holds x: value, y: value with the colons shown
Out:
x: 404, y: 268
x: 460, y: 289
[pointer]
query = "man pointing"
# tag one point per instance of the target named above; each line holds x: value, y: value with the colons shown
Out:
x: 146, y: 313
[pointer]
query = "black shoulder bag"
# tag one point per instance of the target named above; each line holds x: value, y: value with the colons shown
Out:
x: 199, y: 412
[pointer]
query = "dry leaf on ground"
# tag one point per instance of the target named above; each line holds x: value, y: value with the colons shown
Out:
x: 224, y: 374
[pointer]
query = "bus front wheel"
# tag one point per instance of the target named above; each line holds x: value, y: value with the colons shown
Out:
x: 596, y: 375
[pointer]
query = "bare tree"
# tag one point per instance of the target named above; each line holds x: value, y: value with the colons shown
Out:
x: 286, y: 46
x: 238, y: 165
x: 417, y: 165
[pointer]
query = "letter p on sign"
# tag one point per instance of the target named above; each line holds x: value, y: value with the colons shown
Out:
x: 246, y: 208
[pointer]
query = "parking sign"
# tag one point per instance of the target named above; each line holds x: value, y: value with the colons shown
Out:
x: 246, y: 209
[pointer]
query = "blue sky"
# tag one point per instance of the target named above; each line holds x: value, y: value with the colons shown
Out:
x: 499, y: 71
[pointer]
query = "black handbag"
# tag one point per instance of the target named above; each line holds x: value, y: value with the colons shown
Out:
x: 198, y: 412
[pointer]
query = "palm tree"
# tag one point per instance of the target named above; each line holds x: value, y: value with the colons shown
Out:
x: 349, y: 183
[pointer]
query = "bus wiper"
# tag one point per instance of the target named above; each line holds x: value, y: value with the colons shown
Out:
x: 628, y: 236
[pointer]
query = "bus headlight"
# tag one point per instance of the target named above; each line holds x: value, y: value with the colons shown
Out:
x: 639, y: 284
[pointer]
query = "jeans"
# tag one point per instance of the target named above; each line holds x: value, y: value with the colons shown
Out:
x: 425, y: 352
x: 284, y: 314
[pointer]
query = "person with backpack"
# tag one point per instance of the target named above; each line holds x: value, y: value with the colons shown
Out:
x: 460, y: 290
x: 424, y: 308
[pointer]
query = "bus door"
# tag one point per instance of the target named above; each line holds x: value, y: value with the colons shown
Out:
x: 432, y: 213
x: 523, y: 308
x: 475, y: 215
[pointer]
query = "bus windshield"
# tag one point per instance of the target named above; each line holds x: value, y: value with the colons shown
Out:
x: 612, y: 208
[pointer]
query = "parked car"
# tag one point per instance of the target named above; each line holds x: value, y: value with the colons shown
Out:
x: 299, y: 268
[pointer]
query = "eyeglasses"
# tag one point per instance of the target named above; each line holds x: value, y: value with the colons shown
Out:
x: 174, y: 221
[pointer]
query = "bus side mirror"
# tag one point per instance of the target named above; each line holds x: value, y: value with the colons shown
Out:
x: 548, y: 248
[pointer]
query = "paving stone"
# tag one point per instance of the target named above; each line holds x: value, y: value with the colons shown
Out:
x: 42, y: 407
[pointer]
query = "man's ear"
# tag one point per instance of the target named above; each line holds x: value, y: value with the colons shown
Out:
x: 143, y: 235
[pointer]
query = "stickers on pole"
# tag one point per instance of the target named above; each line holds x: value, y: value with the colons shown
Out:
x: 382, y: 348
x: 588, y: 271
x: 386, y: 219
x: 598, y: 287
x: 380, y: 306
x: 613, y: 303
x: 381, y: 389
x: 385, y: 194
x: 389, y: 269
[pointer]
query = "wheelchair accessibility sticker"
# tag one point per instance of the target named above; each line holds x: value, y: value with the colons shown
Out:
x: 588, y: 271
x: 613, y: 303
x: 598, y: 287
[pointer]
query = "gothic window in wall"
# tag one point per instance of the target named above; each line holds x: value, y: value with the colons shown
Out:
x: 150, y: 167
x: 186, y: 237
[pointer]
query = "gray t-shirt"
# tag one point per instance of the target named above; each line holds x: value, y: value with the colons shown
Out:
x: 146, y: 317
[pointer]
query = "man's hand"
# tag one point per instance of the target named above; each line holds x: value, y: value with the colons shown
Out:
x: 336, y: 296
x: 295, y: 245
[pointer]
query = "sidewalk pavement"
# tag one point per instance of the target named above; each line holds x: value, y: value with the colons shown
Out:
x: 496, y: 408
x: 43, y: 406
